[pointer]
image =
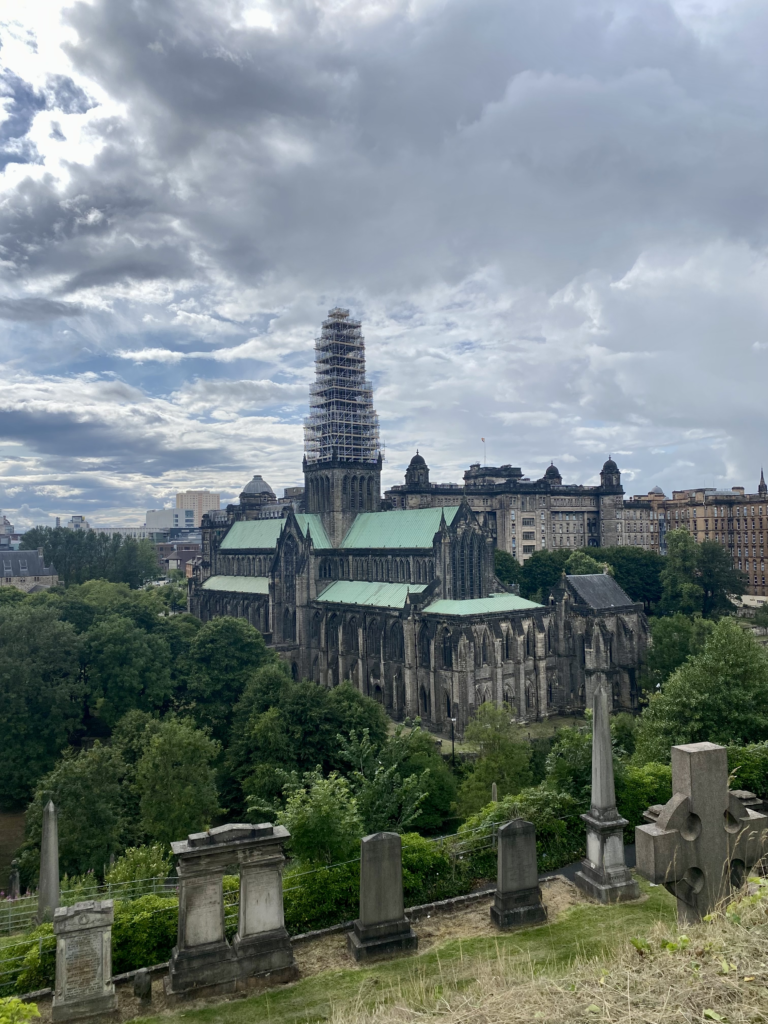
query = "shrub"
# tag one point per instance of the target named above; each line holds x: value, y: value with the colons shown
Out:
x: 749, y: 768
x: 638, y: 788
x: 38, y: 968
x: 139, y: 862
x: 429, y: 873
x: 13, y: 1011
x: 144, y: 932
x: 321, y: 897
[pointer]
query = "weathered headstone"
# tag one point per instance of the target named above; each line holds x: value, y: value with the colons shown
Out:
x: 203, y: 962
x: 14, y: 882
x: 703, y: 840
x: 604, y: 874
x: 48, y: 887
x: 494, y: 793
x: 382, y: 927
x: 518, y: 896
x: 84, y: 985
x: 142, y: 985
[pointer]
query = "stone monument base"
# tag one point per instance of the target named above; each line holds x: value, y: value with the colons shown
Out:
x: 210, y: 969
x: 265, y: 954
x: 606, y: 889
x: 98, y: 1006
x: 518, y: 909
x: 365, y: 943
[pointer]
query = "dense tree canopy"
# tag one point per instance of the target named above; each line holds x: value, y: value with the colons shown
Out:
x: 504, y: 758
x: 674, y: 639
x: 720, y: 695
x: 80, y: 555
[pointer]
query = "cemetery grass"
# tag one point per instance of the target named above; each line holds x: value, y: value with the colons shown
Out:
x: 584, y: 933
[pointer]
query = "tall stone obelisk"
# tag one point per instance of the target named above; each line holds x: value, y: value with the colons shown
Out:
x: 604, y: 874
x: 48, y: 888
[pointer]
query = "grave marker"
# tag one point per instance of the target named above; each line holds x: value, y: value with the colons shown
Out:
x: 518, y: 896
x: 604, y: 874
x: 84, y: 985
x: 48, y: 886
x: 704, y: 840
x: 382, y: 926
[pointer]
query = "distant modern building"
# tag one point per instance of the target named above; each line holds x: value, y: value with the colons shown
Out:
x: 76, y: 523
x: 26, y: 570
x: 199, y: 502
x: 171, y: 518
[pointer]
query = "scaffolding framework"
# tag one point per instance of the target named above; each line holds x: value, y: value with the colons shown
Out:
x: 342, y: 424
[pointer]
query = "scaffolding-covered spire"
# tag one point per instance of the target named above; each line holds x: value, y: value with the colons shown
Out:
x: 342, y: 424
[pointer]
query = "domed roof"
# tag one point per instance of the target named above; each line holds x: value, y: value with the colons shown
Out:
x: 258, y: 486
x: 417, y: 460
x: 610, y: 467
x: 552, y: 471
x: 656, y: 490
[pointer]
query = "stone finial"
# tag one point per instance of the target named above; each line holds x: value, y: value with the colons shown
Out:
x: 48, y: 887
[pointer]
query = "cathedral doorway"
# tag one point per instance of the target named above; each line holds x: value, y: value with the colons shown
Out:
x: 424, y: 703
x: 378, y: 694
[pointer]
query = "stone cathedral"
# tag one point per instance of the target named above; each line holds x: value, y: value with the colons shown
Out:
x: 404, y: 602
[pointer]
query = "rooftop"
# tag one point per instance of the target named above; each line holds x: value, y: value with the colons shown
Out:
x: 376, y: 595
x: 494, y: 603
x: 600, y: 591
x: 238, y: 584
x: 410, y: 528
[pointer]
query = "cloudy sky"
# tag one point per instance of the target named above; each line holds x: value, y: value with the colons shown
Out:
x: 551, y: 216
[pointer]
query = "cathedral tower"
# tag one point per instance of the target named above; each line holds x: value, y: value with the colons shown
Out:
x: 342, y: 459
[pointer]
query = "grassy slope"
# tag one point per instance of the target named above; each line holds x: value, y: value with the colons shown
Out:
x: 585, y: 931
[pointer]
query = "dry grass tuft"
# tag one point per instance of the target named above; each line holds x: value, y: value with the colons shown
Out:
x: 716, y: 971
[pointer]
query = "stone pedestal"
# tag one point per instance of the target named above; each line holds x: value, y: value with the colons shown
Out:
x: 382, y: 927
x: 83, y: 961
x: 518, y: 896
x: 604, y: 873
x: 203, y: 962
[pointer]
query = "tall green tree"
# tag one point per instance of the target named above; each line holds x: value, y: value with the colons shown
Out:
x: 637, y: 572
x: 86, y: 787
x: 540, y: 573
x: 323, y: 818
x: 506, y: 566
x: 176, y: 781
x: 503, y: 758
x: 41, y: 696
x: 125, y: 668
x: 717, y: 578
x: 84, y: 555
x: 681, y: 591
x: 675, y: 638
x: 388, y: 797
x: 719, y: 695
x: 582, y: 564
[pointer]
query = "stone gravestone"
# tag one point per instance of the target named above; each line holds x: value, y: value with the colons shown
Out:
x: 203, y: 962
x: 48, y: 887
x: 14, y: 882
x: 604, y: 874
x: 382, y: 927
x: 518, y: 896
x: 703, y: 840
x: 84, y: 985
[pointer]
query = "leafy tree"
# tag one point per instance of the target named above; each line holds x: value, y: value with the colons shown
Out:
x: 176, y: 781
x: 681, y: 592
x: 761, y: 615
x: 85, y: 604
x: 41, y: 696
x: 582, y: 564
x: 388, y: 799
x: 131, y: 737
x: 504, y: 759
x: 85, y: 786
x: 140, y: 862
x: 125, y: 668
x: 86, y: 555
x: 323, y: 818
x: 540, y: 573
x: 224, y: 654
x: 569, y: 764
x: 507, y: 566
x: 717, y: 578
x: 720, y: 695
x: 421, y: 753
x: 674, y: 639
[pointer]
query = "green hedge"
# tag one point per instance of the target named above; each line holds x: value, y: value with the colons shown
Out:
x: 637, y: 788
x: 749, y: 766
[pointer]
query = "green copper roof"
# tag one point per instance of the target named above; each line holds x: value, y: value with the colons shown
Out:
x: 253, y: 534
x: 481, y: 605
x: 409, y: 528
x: 238, y: 584
x: 377, y: 595
x: 316, y: 529
x: 263, y: 534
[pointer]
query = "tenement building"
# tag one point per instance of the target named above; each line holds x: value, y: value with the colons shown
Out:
x: 404, y: 601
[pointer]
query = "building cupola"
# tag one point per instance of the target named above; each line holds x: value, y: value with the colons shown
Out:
x: 417, y: 474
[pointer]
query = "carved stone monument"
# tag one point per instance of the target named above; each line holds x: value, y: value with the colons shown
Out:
x: 14, y: 882
x: 604, y: 874
x: 382, y: 927
x: 203, y: 962
x: 518, y: 896
x: 48, y: 887
x: 702, y: 841
x: 83, y: 961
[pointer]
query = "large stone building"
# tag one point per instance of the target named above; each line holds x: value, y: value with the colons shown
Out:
x: 404, y: 602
